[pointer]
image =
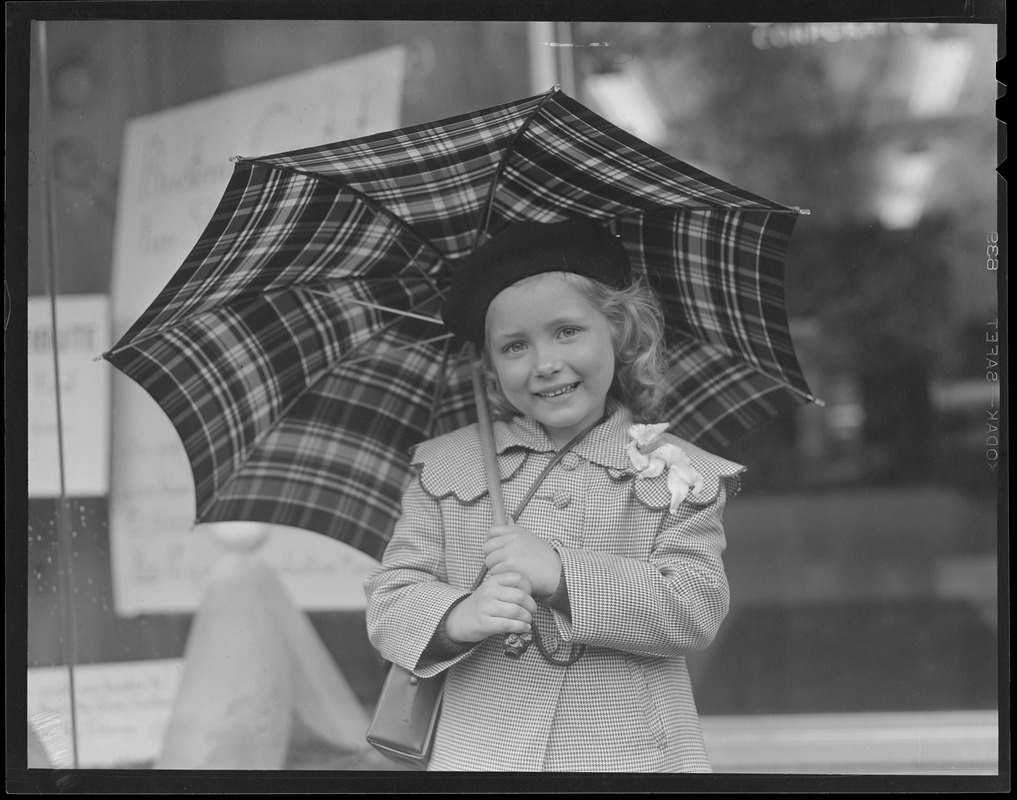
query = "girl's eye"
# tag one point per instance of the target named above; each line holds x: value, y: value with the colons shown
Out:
x: 514, y: 347
x: 568, y: 332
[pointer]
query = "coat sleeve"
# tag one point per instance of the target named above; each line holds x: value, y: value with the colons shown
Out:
x: 669, y: 604
x: 409, y: 594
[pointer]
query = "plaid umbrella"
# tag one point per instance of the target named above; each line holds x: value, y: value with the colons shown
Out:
x: 296, y: 349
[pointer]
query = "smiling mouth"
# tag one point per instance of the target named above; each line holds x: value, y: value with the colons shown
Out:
x: 559, y: 391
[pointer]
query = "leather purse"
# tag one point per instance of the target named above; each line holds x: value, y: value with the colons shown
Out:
x: 406, y: 716
x: 409, y: 706
x: 407, y: 712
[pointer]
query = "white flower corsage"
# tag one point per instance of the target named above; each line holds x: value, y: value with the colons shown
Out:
x: 650, y: 457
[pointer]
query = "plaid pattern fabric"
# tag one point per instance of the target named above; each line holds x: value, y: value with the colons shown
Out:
x: 296, y: 395
x: 645, y: 587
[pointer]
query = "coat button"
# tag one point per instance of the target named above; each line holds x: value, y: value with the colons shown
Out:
x: 569, y: 461
x: 561, y: 499
x: 551, y: 643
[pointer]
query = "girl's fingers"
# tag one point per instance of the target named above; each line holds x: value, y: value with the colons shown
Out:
x: 497, y: 567
x: 522, y: 599
x: 511, y: 626
x: 493, y: 545
x: 512, y: 611
x: 497, y: 564
x: 494, y: 565
x: 501, y: 531
x: 514, y: 580
x: 512, y: 588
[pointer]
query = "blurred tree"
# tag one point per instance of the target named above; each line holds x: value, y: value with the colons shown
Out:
x: 874, y: 285
x: 814, y: 126
x: 765, y: 120
x: 887, y: 293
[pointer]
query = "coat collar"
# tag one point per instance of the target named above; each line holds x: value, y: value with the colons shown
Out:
x: 604, y: 444
x: 452, y: 464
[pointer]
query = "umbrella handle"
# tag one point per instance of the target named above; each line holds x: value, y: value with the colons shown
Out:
x: 487, y: 444
x: 511, y: 646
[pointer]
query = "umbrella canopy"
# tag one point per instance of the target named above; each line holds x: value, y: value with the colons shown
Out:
x: 297, y: 350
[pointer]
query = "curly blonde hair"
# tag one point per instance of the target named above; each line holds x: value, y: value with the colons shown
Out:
x: 636, y: 321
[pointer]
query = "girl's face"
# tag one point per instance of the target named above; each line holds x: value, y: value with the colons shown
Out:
x: 552, y: 353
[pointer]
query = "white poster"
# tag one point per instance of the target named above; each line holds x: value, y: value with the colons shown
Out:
x: 84, y: 397
x: 121, y: 711
x: 175, y: 166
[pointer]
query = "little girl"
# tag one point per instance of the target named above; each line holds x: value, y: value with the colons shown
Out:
x: 613, y: 568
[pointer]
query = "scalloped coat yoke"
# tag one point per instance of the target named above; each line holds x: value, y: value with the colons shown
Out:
x: 645, y: 587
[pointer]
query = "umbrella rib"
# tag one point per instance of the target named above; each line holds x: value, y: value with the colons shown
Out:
x: 343, y: 361
x: 774, y: 209
x: 778, y: 382
x: 380, y: 307
x: 411, y: 315
x: 439, y: 390
x: 782, y: 384
x: 384, y: 328
x: 485, y: 214
x: 249, y: 451
x: 363, y: 196
x: 398, y: 349
x: 387, y: 326
x: 288, y: 288
x: 399, y: 312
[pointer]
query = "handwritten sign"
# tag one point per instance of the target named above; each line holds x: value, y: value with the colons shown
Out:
x: 82, y: 332
x: 169, y: 572
x: 175, y: 167
x: 121, y: 711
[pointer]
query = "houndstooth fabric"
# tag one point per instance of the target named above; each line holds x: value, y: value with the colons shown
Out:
x: 645, y: 586
x: 296, y: 395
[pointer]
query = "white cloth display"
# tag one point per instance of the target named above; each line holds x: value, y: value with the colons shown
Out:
x: 253, y: 666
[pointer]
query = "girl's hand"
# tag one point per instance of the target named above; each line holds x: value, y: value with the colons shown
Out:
x: 501, y: 604
x: 511, y: 548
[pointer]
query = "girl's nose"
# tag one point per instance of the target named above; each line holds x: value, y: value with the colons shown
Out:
x: 547, y: 363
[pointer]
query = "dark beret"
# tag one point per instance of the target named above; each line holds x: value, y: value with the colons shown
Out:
x: 522, y: 249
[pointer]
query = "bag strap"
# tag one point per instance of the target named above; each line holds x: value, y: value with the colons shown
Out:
x: 536, y: 485
x: 577, y: 652
x: 546, y: 471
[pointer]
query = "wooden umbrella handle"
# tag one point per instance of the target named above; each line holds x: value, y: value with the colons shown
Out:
x: 513, y: 645
x: 487, y: 445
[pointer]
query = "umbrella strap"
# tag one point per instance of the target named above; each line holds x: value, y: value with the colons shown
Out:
x: 551, y: 465
x: 536, y: 485
x: 575, y: 652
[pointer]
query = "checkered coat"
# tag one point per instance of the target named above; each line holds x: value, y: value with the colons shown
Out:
x: 645, y: 587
